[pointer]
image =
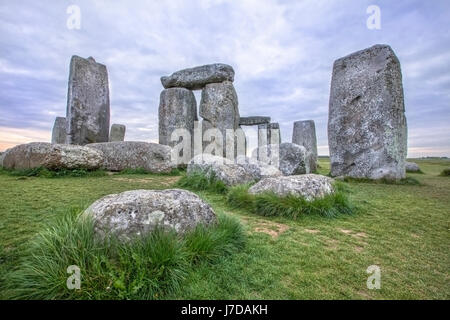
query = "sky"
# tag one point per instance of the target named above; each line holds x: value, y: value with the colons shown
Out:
x: 282, y: 53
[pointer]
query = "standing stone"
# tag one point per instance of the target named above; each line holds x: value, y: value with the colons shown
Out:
x: 268, y: 134
x: 59, y: 130
x: 177, y: 110
x: 196, y: 78
x: 367, y: 132
x: 87, y: 102
x: 117, y: 132
x: 219, y: 110
x: 304, y: 134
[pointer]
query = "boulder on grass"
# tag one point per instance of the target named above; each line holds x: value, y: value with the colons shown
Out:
x: 52, y: 156
x: 121, y: 155
x: 290, y: 158
x: 222, y: 169
x: 309, y: 186
x: 412, y: 167
x: 257, y: 168
x: 134, y: 213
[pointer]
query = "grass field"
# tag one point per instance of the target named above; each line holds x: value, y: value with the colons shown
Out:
x: 403, y: 229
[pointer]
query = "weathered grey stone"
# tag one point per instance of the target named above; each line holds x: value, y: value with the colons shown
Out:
x: 52, y: 156
x: 367, y: 132
x: 177, y: 110
x: 87, y: 102
x: 135, y: 213
x: 304, y: 134
x: 198, y: 77
x: 309, y: 186
x: 222, y: 169
x: 59, y: 130
x: 253, y: 121
x: 122, y: 155
x: 290, y: 158
x: 219, y: 110
x: 257, y: 169
x: 412, y: 167
x: 269, y: 134
x: 64, y: 156
x: 2, y: 155
x: 117, y: 132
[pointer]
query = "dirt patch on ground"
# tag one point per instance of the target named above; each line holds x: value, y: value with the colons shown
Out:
x: 273, y: 229
x: 332, y: 244
x: 313, y: 231
x: 165, y: 181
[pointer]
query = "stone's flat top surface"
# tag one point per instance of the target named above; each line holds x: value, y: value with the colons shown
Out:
x: 310, y: 186
x: 134, y: 213
x: 252, y: 121
x: 197, y: 77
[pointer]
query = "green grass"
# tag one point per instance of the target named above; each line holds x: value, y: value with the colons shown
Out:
x: 404, y: 229
x: 405, y: 181
x: 198, y: 181
x: 290, y: 206
x: 45, y: 173
x: 150, y: 267
x: 445, y: 172
x: 140, y: 171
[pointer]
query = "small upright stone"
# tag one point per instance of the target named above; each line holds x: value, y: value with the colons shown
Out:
x: 367, y: 132
x: 59, y: 130
x: 117, y: 132
x: 198, y: 77
x: 87, y: 102
x: 304, y: 134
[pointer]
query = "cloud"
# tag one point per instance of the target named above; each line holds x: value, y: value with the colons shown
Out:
x: 282, y: 52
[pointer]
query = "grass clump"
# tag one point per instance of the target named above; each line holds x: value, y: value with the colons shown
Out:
x: 173, y: 172
x: 46, y: 173
x: 291, y: 206
x: 445, y: 172
x: 405, y: 181
x: 199, y: 181
x: 149, y: 267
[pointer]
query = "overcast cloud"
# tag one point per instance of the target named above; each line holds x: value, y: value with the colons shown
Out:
x: 282, y: 53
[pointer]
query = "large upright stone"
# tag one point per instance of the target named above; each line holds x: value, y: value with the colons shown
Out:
x: 367, y: 132
x: 269, y: 133
x: 219, y: 110
x: 198, y: 77
x: 177, y: 110
x: 59, y: 130
x: 304, y: 134
x: 87, y: 102
x: 117, y: 132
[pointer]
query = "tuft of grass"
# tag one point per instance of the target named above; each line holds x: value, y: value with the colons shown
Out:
x: 445, y: 172
x: 291, y: 206
x: 46, y: 173
x: 149, y: 267
x: 198, y: 181
x: 405, y: 181
x: 173, y: 172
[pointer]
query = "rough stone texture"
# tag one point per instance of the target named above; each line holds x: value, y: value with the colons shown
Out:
x: 292, y: 159
x: 122, y: 155
x: 131, y: 214
x: 310, y: 186
x: 59, y: 130
x: 219, y: 110
x: 367, y: 132
x: 2, y: 155
x: 64, y: 156
x: 52, y: 156
x: 198, y: 77
x: 117, y: 132
x: 258, y: 169
x: 223, y: 169
x: 412, y: 167
x: 304, y: 134
x: 177, y: 110
x: 253, y: 121
x: 269, y: 134
x: 87, y: 102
